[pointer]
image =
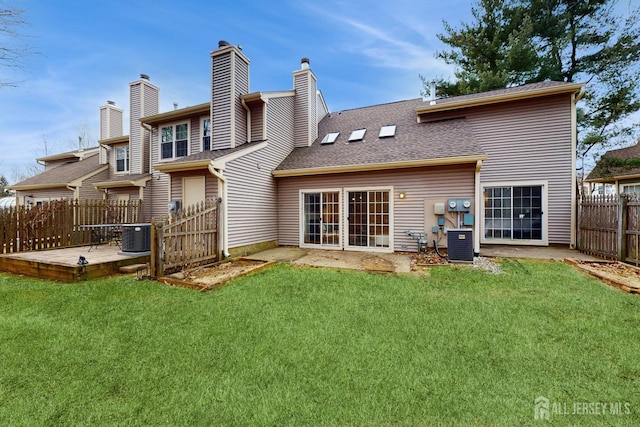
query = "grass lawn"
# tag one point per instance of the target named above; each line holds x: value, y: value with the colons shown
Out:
x: 290, y: 346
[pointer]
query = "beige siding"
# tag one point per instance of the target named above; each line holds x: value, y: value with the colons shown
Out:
x: 221, y: 109
x: 418, y: 184
x: 195, y: 143
x: 88, y: 191
x: 257, y: 122
x: 156, y: 195
x: 211, y: 184
x: 135, y: 130
x: 531, y: 141
x: 252, y: 203
x: 110, y: 121
x: 305, y: 110
x: 49, y: 194
x: 241, y: 87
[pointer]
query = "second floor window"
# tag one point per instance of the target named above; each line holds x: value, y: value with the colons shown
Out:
x: 122, y: 159
x: 174, y: 141
x: 206, y: 134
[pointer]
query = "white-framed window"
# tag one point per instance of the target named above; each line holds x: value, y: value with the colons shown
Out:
x: 174, y: 141
x: 206, y: 134
x: 631, y: 188
x: 122, y: 158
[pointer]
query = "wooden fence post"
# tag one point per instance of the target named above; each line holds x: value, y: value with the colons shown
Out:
x: 622, y: 227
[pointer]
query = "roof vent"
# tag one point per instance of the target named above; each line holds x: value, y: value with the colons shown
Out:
x: 175, y: 105
x: 223, y: 43
x: 144, y: 76
x: 304, y: 63
x: 111, y: 102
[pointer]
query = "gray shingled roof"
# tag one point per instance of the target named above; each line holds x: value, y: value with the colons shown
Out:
x: 615, y: 163
x: 63, y: 174
x: 412, y: 141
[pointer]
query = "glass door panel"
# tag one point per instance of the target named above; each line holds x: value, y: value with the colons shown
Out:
x: 369, y: 219
x: 321, y: 218
x: 513, y: 213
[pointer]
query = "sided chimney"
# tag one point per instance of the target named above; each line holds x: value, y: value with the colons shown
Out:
x: 229, y: 80
x: 144, y: 99
x: 305, y: 85
x: 110, y: 121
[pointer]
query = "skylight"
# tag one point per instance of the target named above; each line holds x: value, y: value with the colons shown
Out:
x: 357, y: 135
x: 330, y: 138
x: 387, y: 131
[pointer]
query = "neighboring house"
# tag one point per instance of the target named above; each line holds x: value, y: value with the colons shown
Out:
x: 286, y: 171
x: 66, y: 175
x: 617, y: 172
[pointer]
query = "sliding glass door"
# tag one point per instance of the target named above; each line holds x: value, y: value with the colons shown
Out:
x: 514, y: 213
x: 368, y: 219
x: 321, y: 218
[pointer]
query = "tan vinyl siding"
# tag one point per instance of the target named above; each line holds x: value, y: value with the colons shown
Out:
x: 211, y: 184
x: 150, y: 107
x: 252, y: 202
x: 531, y: 141
x: 257, y: 122
x: 195, y: 143
x: 132, y: 192
x: 418, y: 184
x: 221, y: 94
x: 241, y: 86
x: 88, y: 191
x: 156, y: 194
x: 48, y: 194
x: 110, y: 122
x: 304, y: 110
x: 135, y: 130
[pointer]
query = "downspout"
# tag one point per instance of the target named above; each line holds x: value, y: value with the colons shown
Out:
x: 222, y: 193
x: 479, y: 209
x: 244, y: 105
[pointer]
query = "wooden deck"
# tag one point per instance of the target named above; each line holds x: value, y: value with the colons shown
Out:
x: 62, y: 264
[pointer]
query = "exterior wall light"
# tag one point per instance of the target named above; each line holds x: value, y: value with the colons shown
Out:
x: 402, y: 195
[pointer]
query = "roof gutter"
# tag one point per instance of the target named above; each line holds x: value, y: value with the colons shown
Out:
x: 498, y: 98
x: 380, y: 166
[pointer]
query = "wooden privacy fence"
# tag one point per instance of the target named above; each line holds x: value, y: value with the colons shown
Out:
x: 609, y: 226
x: 56, y: 224
x: 186, y: 239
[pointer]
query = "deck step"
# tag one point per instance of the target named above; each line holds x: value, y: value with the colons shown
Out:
x: 133, y: 268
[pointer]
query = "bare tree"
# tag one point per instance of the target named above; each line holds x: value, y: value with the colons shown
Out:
x: 13, y: 50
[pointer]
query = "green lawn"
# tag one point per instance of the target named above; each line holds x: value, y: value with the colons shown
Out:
x: 291, y: 346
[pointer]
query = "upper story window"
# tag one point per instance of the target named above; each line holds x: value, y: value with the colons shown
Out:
x: 206, y: 134
x: 632, y: 188
x: 174, y: 141
x: 122, y: 159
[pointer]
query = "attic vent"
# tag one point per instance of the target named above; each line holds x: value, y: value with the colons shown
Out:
x: 387, y: 131
x: 330, y: 138
x: 357, y: 135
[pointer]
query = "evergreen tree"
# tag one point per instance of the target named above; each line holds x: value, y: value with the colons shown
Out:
x: 524, y: 41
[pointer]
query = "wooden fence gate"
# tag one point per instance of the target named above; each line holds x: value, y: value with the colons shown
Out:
x: 184, y: 240
x: 609, y: 226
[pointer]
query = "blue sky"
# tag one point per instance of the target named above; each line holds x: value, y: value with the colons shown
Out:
x: 363, y: 53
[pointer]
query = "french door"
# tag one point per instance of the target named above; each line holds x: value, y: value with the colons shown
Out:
x: 321, y: 218
x: 344, y: 218
x: 368, y: 219
x: 514, y: 213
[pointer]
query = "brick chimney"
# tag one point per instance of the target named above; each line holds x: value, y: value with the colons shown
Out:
x: 305, y: 85
x: 144, y: 99
x: 229, y: 80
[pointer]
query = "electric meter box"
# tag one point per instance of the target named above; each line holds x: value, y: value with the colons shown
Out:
x: 459, y: 205
x: 438, y: 208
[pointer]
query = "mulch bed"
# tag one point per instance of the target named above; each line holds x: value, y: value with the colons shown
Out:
x: 618, y: 274
x: 213, y: 276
